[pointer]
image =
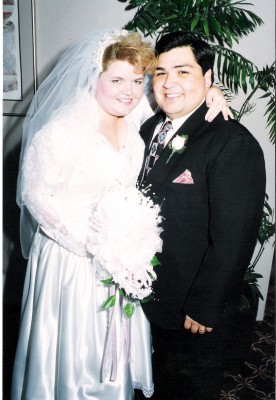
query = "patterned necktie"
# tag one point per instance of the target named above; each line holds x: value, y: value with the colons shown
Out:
x: 156, y: 147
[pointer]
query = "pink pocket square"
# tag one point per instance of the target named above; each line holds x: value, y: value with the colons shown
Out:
x: 186, y: 178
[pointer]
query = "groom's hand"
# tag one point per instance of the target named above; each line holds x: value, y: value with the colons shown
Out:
x: 195, y: 327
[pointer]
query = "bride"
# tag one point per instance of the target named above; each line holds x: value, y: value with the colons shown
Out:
x: 81, y: 141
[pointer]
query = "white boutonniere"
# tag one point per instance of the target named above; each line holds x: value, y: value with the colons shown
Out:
x: 177, y: 145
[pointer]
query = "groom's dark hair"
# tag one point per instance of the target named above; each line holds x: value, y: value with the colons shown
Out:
x: 203, y: 52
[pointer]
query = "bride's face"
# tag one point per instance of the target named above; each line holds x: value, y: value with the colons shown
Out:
x: 119, y: 89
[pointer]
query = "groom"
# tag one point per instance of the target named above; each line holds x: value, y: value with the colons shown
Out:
x: 210, y: 181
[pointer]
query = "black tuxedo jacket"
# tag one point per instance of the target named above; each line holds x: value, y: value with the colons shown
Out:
x: 210, y: 226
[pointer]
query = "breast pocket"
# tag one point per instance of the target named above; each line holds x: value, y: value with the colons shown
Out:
x: 182, y: 187
x: 188, y: 196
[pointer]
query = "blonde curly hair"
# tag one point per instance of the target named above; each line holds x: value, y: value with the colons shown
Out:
x: 133, y: 49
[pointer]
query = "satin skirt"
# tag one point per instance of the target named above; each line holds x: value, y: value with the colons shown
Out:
x: 64, y: 334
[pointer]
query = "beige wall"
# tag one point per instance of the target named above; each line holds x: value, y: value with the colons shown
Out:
x: 60, y: 23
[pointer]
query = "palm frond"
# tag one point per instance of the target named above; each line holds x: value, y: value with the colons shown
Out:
x: 270, y: 116
x: 234, y: 70
x: 204, y: 17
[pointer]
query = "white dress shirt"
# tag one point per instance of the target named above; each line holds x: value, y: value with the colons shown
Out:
x: 176, y: 123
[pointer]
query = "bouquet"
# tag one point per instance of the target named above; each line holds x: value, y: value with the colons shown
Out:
x: 124, y: 240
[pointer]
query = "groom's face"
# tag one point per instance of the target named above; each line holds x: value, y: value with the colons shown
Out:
x: 178, y: 83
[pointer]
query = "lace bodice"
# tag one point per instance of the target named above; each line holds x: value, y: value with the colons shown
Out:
x: 70, y: 164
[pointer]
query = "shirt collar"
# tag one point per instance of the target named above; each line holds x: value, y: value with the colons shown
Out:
x: 178, y: 122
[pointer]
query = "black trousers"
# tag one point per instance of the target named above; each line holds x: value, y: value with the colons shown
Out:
x: 188, y: 366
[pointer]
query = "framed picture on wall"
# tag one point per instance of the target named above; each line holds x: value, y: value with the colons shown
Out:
x: 19, y: 69
x: 12, y: 88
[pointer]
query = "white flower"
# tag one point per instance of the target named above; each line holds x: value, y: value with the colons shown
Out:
x: 178, y: 142
x: 177, y: 145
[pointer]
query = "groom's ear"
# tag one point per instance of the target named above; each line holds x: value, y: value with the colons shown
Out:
x: 208, y: 78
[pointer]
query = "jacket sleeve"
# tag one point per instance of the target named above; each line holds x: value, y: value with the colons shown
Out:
x: 236, y: 182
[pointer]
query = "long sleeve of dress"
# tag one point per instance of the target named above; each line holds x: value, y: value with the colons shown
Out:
x: 46, y: 191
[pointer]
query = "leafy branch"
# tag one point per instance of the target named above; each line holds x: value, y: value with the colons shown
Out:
x: 205, y: 17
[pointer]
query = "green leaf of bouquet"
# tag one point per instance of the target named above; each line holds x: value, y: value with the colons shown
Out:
x: 108, y: 281
x: 154, y: 261
x: 147, y: 299
x: 151, y: 276
x: 110, y: 302
x: 129, y: 310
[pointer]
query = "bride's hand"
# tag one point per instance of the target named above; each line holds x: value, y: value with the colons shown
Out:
x: 216, y: 102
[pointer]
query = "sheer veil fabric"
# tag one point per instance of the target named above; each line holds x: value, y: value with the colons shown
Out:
x: 65, y: 165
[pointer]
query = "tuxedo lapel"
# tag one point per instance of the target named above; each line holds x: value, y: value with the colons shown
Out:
x: 191, y: 127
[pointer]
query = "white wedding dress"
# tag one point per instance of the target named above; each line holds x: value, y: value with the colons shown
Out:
x: 64, y: 330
